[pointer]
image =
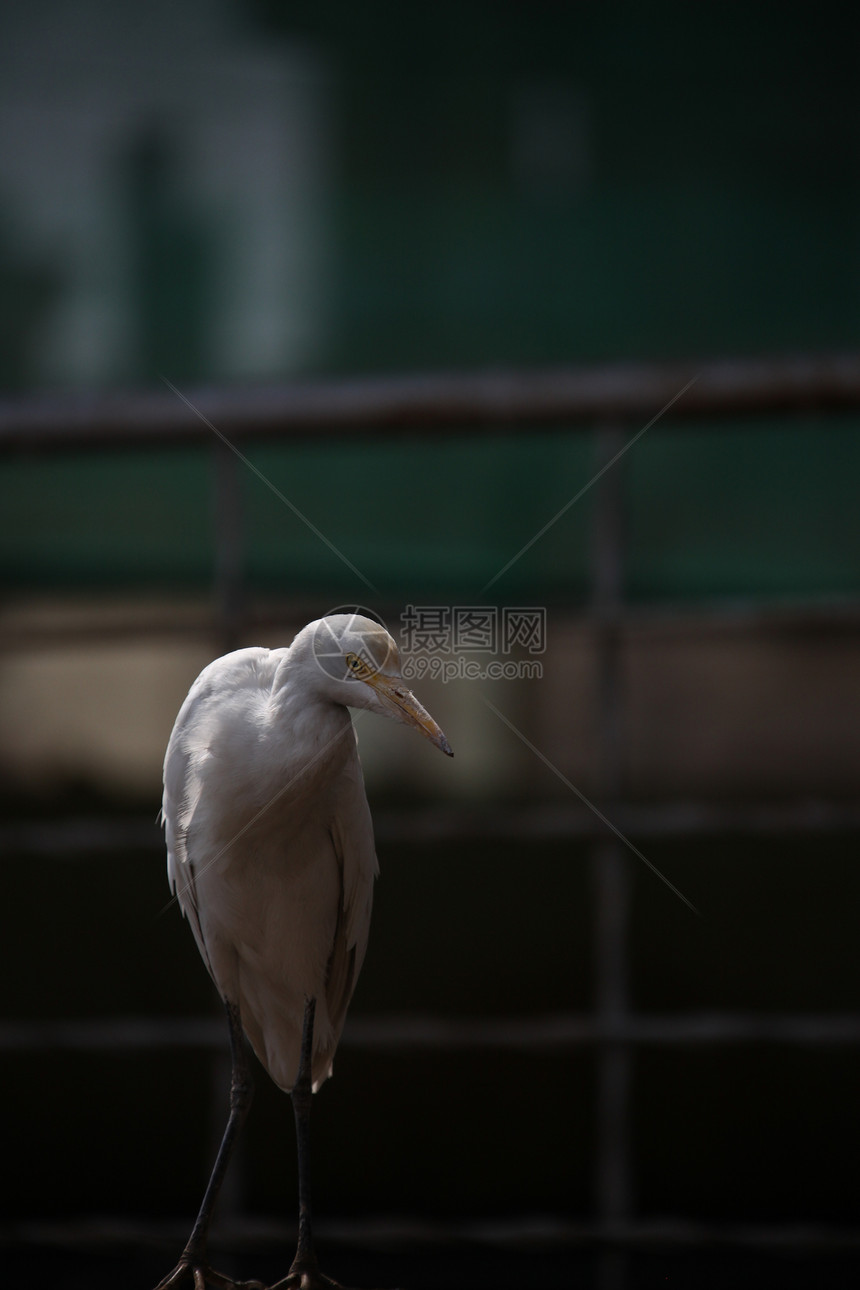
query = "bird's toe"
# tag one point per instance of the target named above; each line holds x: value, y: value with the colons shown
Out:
x: 199, y: 1276
x: 307, y: 1280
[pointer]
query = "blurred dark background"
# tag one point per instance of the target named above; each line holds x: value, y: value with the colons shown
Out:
x: 554, y: 1073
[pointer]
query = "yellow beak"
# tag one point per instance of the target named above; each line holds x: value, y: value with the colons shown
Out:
x: 403, y: 706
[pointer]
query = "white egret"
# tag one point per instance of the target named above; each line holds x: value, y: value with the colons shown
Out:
x: 271, y: 856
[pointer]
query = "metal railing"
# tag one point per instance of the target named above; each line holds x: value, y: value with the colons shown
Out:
x: 605, y: 400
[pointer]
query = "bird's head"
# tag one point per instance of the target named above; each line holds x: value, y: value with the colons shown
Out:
x: 361, y: 664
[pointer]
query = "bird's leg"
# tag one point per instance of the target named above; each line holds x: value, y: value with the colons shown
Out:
x: 301, y: 1096
x: 193, y: 1268
x: 305, y: 1273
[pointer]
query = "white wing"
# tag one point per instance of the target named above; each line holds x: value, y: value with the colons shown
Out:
x: 198, y: 727
x: 352, y: 837
x: 275, y: 874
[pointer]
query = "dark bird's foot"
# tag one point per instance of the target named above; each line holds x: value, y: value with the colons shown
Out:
x: 306, y: 1279
x: 199, y: 1276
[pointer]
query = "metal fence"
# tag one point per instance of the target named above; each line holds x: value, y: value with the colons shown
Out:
x: 614, y: 402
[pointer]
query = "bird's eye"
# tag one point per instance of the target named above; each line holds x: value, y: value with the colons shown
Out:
x: 354, y: 663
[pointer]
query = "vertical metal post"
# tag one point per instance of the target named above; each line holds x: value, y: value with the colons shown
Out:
x: 229, y: 605
x: 229, y: 553
x: 611, y: 878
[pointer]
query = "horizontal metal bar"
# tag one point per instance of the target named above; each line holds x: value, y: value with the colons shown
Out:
x: 534, y: 1231
x: 488, y: 400
x: 566, y: 821
x: 417, y: 1033
x: 32, y: 629
x: 76, y: 838
x: 87, y: 838
x: 112, y: 1034
x: 566, y: 1031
